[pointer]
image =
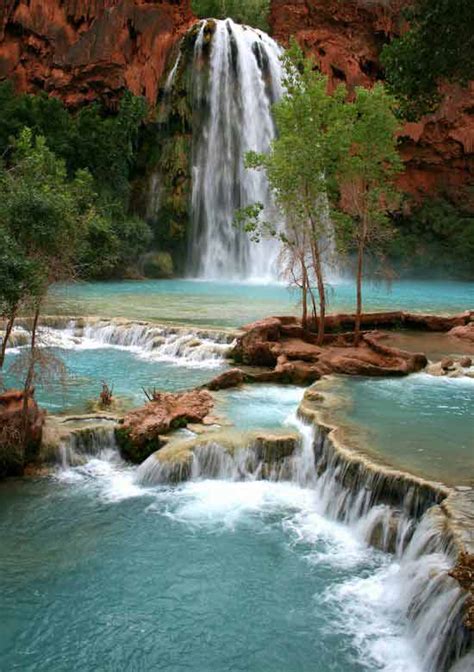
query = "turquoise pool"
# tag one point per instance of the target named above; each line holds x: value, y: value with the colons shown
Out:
x: 227, y: 304
x: 421, y: 423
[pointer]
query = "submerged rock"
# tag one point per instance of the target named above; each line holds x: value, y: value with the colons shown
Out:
x: 139, y: 434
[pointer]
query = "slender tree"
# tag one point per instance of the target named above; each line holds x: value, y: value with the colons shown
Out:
x: 301, y: 168
x: 366, y: 177
x: 43, y: 218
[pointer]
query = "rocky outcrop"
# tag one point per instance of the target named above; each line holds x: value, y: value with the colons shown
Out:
x: 82, y: 50
x: 14, y: 454
x: 281, y: 343
x: 140, y: 432
x: 230, y: 378
x: 465, y: 332
x: 346, y: 39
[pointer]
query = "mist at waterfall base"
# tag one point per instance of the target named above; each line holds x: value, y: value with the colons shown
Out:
x: 232, y: 304
x: 210, y: 575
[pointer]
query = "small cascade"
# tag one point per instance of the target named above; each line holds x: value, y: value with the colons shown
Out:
x: 228, y: 456
x: 178, y: 345
x: 86, y: 443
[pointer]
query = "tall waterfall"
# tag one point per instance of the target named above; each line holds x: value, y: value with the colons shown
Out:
x: 235, y: 92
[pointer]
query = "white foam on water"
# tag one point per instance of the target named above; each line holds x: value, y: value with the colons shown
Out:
x: 182, y: 347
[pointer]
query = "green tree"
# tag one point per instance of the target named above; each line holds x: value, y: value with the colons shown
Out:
x: 301, y: 168
x: 439, y: 45
x: 366, y: 177
x: 43, y: 220
x: 250, y: 12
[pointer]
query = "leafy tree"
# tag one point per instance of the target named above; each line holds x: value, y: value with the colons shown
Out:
x: 43, y: 220
x: 439, y: 45
x: 301, y: 168
x: 366, y: 176
x: 250, y: 12
x: 105, y: 145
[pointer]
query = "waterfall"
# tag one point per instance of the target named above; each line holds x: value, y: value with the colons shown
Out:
x: 236, y: 93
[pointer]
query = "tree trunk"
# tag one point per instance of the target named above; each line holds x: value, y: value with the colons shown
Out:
x: 8, y: 331
x: 318, y: 272
x: 304, y: 289
x: 27, y: 388
x: 360, y: 261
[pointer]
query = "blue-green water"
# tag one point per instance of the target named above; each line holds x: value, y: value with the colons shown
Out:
x: 259, y: 406
x: 234, y: 304
x: 422, y: 423
x: 127, y: 371
x: 97, y: 574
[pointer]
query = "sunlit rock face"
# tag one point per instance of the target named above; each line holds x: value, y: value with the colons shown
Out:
x: 346, y: 39
x: 82, y: 50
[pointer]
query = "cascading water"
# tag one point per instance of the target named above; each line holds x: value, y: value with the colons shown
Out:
x: 236, y: 91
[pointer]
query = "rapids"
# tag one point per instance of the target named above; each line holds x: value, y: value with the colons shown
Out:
x: 225, y: 574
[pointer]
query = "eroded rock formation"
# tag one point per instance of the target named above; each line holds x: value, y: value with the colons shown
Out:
x: 14, y: 454
x: 346, y: 39
x: 139, y: 434
x: 82, y: 50
x: 292, y: 353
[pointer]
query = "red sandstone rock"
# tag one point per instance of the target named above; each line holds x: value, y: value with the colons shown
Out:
x: 346, y: 39
x: 82, y: 50
x: 13, y: 455
x: 230, y: 378
x: 301, y: 361
x: 465, y: 332
x: 169, y: 411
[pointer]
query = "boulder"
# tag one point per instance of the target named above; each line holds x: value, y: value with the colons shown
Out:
x: 230, y: 378
x: 465, y: 332
x: 447, y: 364
x: 465, y: 362
x: 139, y: 433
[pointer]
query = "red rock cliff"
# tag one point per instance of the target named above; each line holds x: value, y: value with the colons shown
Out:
x: 346, y: 37
x: 80, y: 50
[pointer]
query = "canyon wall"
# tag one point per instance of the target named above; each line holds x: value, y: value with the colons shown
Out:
x: 81, y: 50
x: 346, y: 38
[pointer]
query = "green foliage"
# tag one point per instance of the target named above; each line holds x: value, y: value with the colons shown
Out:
x: 250, y: 12
x: 437, y: 237
x: 438, y: 46
x: 103, y: 145
x: 367, y: 172
x: 42, y: 212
